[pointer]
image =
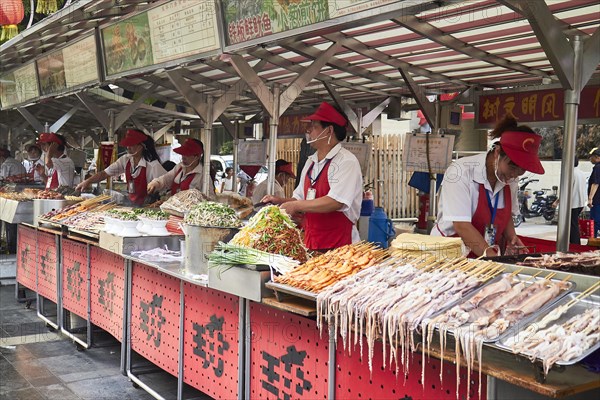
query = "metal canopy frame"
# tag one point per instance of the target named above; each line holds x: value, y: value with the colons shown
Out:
x: 444, y: 46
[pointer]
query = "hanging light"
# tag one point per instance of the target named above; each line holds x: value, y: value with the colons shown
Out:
x: 11, y: 14
x: 46, y: 7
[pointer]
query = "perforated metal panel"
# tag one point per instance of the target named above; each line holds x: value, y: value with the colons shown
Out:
x: 74, y: 277
x: 288, y: 360
x: 47, y: 265
x: 107, y: 271
x: 211, y: 348
x: 354, y: 380
x: 26, y: 256
x: 155, y: 316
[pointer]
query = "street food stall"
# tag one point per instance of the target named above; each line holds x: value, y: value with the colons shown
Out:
x: 234, y: 305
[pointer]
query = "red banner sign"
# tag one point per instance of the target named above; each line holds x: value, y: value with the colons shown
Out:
x: 106, y: 153
x: 536, y: 106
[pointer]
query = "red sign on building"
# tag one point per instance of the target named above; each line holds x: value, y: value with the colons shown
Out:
x: 536, y: 106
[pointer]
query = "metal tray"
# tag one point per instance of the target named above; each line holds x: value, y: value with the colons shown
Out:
x: 89, y: 234
x: 525, y: 321
x: 592, y: 301
x: 287, y: 289
x: 467, y: 296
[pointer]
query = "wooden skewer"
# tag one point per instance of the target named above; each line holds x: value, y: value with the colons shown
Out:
x: 534, y: 275
x: 584, y: 294
x: 567, y: 278
x: 550, y: 276
x: 515, y: 273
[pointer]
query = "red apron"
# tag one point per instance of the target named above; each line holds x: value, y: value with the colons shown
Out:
x: 52, y: 181
x: 182, y: 185
x: 483, y: 214
x: 329, y: 230
x: 140, y: 185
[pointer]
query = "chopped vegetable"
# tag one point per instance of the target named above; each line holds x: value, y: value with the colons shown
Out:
x: 272, y: 230
x: 213, y: 214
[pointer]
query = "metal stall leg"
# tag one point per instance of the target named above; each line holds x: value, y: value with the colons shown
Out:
x: 247, y: 349
x: 242, y: 349
x: 126, y: 342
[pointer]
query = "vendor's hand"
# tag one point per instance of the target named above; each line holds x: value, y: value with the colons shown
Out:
x: 589, y: 203
x: 291, y: 207
x: 82, y: 186
x: 153, y: 187
x: 513, y: 245
x: 270, y: 199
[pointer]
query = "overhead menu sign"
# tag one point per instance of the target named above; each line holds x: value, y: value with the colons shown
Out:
x: 80, y: 62
x: 176, y: 29
x: 69, y: 67
x: 337, y: 8
x: 415, y: 152
x: 19, y: 86
x: 362, y: 151
x: 259, y: 18
x: 183, y: 28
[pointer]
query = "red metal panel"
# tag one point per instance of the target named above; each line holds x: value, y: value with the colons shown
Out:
x: 288, y: 359
x: 74, y: 277
x: 47, y: 265
x: 155, y: 313
x: 211, y: 348
x: 107, y: 271
x: 26, y: 256
x: 354, y: 380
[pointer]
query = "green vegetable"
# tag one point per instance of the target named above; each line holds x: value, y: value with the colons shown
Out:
x: 229, y: 254
x: 213, y: 214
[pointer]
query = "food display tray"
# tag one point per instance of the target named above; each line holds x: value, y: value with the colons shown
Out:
x: 89, y: 234
x: 287, y: 289
x: 578, y: 308
x: 528, y: 282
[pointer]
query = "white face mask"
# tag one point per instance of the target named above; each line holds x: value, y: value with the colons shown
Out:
x: 508, y: 181
x: 190, y: 164
x: 309, y: 141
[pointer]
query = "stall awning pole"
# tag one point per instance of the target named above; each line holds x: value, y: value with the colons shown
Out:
x: 273, y: 140
x: 569, y: 147
x: 206, y: 182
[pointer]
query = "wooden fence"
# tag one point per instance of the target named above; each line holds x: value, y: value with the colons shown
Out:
x: 385, y: 175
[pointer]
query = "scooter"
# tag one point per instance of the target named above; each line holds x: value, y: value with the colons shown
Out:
x: 522, y: 197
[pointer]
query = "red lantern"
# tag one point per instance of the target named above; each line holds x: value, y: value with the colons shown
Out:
x: 11, y: 14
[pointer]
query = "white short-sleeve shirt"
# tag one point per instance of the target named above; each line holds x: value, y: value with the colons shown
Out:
x: 459, y: 193
x: 153, y: 168
x: 345, y: 182
x: 65, y: 167
x: 166, y: 181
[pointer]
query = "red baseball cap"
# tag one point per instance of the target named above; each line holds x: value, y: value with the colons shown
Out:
x: 284, y: 166
x: 327, y: 113
x: 49, y: 138
x: 190, y: 147
x: 133, y: 137
x: 522, y: 149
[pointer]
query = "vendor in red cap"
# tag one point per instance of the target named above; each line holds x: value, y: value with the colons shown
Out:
x: 479, y: 193
x: 188, y: 174
x: 283, y: 172
x: 329, y: 193
x: 59, y: 169
x: 140, y: 165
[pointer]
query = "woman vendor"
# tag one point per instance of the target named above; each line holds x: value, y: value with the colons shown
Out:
x: 140, y: 165
x: 59, y: 169
x: 188, y: 174
x: 329, y: 194
x: 479, y: 193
